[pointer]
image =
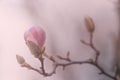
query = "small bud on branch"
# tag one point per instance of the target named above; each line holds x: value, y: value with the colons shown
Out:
x: 20, y: 59
x: 89, y: 24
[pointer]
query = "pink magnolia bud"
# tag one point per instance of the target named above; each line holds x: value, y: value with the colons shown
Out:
x: 35, y: 38
x: 36, y: 35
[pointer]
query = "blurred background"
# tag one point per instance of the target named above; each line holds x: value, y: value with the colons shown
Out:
x: 63, y: 21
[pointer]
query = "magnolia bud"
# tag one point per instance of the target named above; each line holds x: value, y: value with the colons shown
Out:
x: 36, y: 35
x: 20, y: 59
x: 35, y: 38
x: 89, y: 24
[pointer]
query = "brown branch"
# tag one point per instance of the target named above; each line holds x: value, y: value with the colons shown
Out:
x: 94, y: 48
x: 67, y: 58
x: 64, y: 65
x: 91, y: 45
x: 26, y: 65
x: 42, y: 65
x: 94, y: 62
x: 34, y: 69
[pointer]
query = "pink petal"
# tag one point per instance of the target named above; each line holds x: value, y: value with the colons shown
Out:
x: 36, y: 35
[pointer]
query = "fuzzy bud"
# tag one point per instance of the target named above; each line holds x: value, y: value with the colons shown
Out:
x: 34, y: 49
x: 89, y: 24
x: 20, y: 59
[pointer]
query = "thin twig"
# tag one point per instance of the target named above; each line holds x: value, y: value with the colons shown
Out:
x: 81, y: 62
x: 94, y: 48
x: 42, y: 65
x: 31, y: 68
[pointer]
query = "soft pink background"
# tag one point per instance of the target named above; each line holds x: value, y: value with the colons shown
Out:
x: 63, y: 23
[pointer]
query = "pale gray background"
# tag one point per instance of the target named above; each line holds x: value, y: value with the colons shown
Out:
x: 63, y: 22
